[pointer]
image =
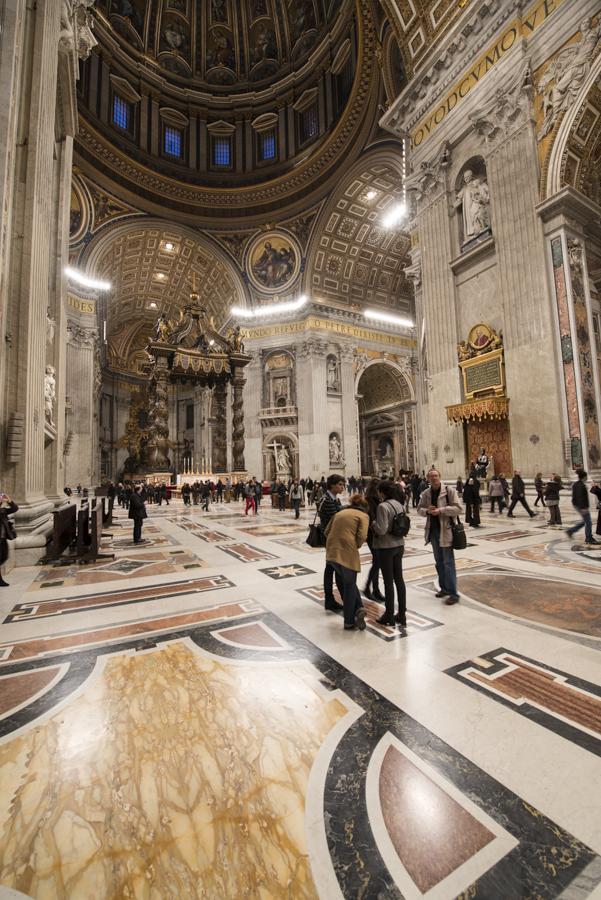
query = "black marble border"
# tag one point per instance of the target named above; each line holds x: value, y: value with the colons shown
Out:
x: 545, y: 862
x: 544, y: 719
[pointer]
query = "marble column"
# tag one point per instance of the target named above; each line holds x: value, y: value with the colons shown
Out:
x: 238, y: 421
x: 313, y: 431
x: 81, y: 400
x: 198, y: 426
x: 219, y: 456
x: 253, y: 436
x: 158, y: 445
x: 439, y: 310
x: 350, y: 412
x: 568, y: 218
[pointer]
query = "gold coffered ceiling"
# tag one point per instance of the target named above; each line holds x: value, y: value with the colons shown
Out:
x: 381, y: 386
x: 356, y: 259
x: 148, y: 278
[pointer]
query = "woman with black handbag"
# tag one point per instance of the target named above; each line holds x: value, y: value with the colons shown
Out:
x: 7, y: 530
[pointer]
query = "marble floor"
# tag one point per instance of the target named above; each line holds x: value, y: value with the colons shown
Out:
x: 186, y: 721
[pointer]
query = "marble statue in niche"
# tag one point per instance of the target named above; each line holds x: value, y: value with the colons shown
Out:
x: 473, y: 201
x: 50, y: 327
x: 333, y: 374
x: 335, y: 449
x: 563, y: 79
x: 386, y: 451
x: 49, y: 392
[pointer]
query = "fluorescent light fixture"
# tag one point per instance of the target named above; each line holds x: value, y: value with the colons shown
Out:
x: 161, y: 276
x: 274, y: 309
x: 371, y: 194
x: 394, y: 215
x: 378, y: 316
x: 86, y: 281
x: 152, y: 305
x: 168, y: 246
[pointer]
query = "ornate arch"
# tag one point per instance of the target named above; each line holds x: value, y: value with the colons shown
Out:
x: 401, y: 375
x: 153, y: 265
x: 577, y: 140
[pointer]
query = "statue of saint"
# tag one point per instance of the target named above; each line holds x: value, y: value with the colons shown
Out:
x: 335, y: 449
x: 283, y: 460
x: 474, y: 199
x: 332, y: 374
x: 49, y: 392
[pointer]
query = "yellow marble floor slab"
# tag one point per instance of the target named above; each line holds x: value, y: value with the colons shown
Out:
x: 171, y: 774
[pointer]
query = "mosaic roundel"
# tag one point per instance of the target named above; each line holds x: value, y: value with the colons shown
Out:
x: 273, y: 261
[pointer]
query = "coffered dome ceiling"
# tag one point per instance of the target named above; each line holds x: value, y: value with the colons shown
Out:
x: 225, y: 44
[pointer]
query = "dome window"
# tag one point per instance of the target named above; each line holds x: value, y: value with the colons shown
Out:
x: 172, y: 141
x: 267, y: 145
x: 121, y: 113
x: 222, y: 152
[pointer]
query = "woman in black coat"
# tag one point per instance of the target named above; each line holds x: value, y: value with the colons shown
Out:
x: 372, y: 588
x: 7, y: 508
x: 471, y: 499
x: 596, y: 491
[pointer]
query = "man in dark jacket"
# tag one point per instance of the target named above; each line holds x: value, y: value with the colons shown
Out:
x: 328, y: 508
x: 137, y: 512
x: 580, y: 502
x: 518, y: 495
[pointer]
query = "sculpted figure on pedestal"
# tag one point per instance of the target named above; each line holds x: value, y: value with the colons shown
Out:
x: 563, y: 79
x: 473, y: 199
x: 333, y: 374
x: 49, y: 392
x: 335, y: 449
x: 76, y: 27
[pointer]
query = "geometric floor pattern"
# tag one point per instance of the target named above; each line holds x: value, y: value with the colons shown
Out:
x: 185, y: 720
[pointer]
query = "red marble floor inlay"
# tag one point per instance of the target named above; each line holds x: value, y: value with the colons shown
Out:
x: 30, y: 648
x: 573, y: 607
x: 431, y: 832
x: 546, y: 691
x: 18, y: 688
x: 253, y: 635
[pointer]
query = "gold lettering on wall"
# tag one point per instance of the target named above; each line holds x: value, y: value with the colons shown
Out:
x: 519, y: 28
x: 327, y: 325
x: 85, y: 306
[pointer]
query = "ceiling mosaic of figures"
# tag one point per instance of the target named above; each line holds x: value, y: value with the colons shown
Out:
x: 223, y: 43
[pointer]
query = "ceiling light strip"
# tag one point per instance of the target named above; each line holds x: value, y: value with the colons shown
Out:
x: 376, y: 316
x: 86, y: 281
x: 272, y: 309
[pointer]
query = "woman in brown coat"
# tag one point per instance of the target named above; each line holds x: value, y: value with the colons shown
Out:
x: 7, y: 508
x: 345, y: 533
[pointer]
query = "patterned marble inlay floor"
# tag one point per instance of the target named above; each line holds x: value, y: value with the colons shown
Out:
x: 212, y: 732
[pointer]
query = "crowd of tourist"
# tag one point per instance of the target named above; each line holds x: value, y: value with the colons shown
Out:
x: 376, y: 514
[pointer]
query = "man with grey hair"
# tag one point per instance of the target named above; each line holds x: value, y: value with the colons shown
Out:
x: 440, y: 505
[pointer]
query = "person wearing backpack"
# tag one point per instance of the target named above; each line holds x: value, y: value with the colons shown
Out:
x: 389, y: 529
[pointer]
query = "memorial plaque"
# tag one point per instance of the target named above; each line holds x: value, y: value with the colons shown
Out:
x: 484, y: 376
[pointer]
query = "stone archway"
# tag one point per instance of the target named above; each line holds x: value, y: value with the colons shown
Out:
x: 387, y: 425
x: 153, y: 266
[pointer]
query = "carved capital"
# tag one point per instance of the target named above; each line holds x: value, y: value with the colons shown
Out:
x: 81, y: 337
x: 431, y: 175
